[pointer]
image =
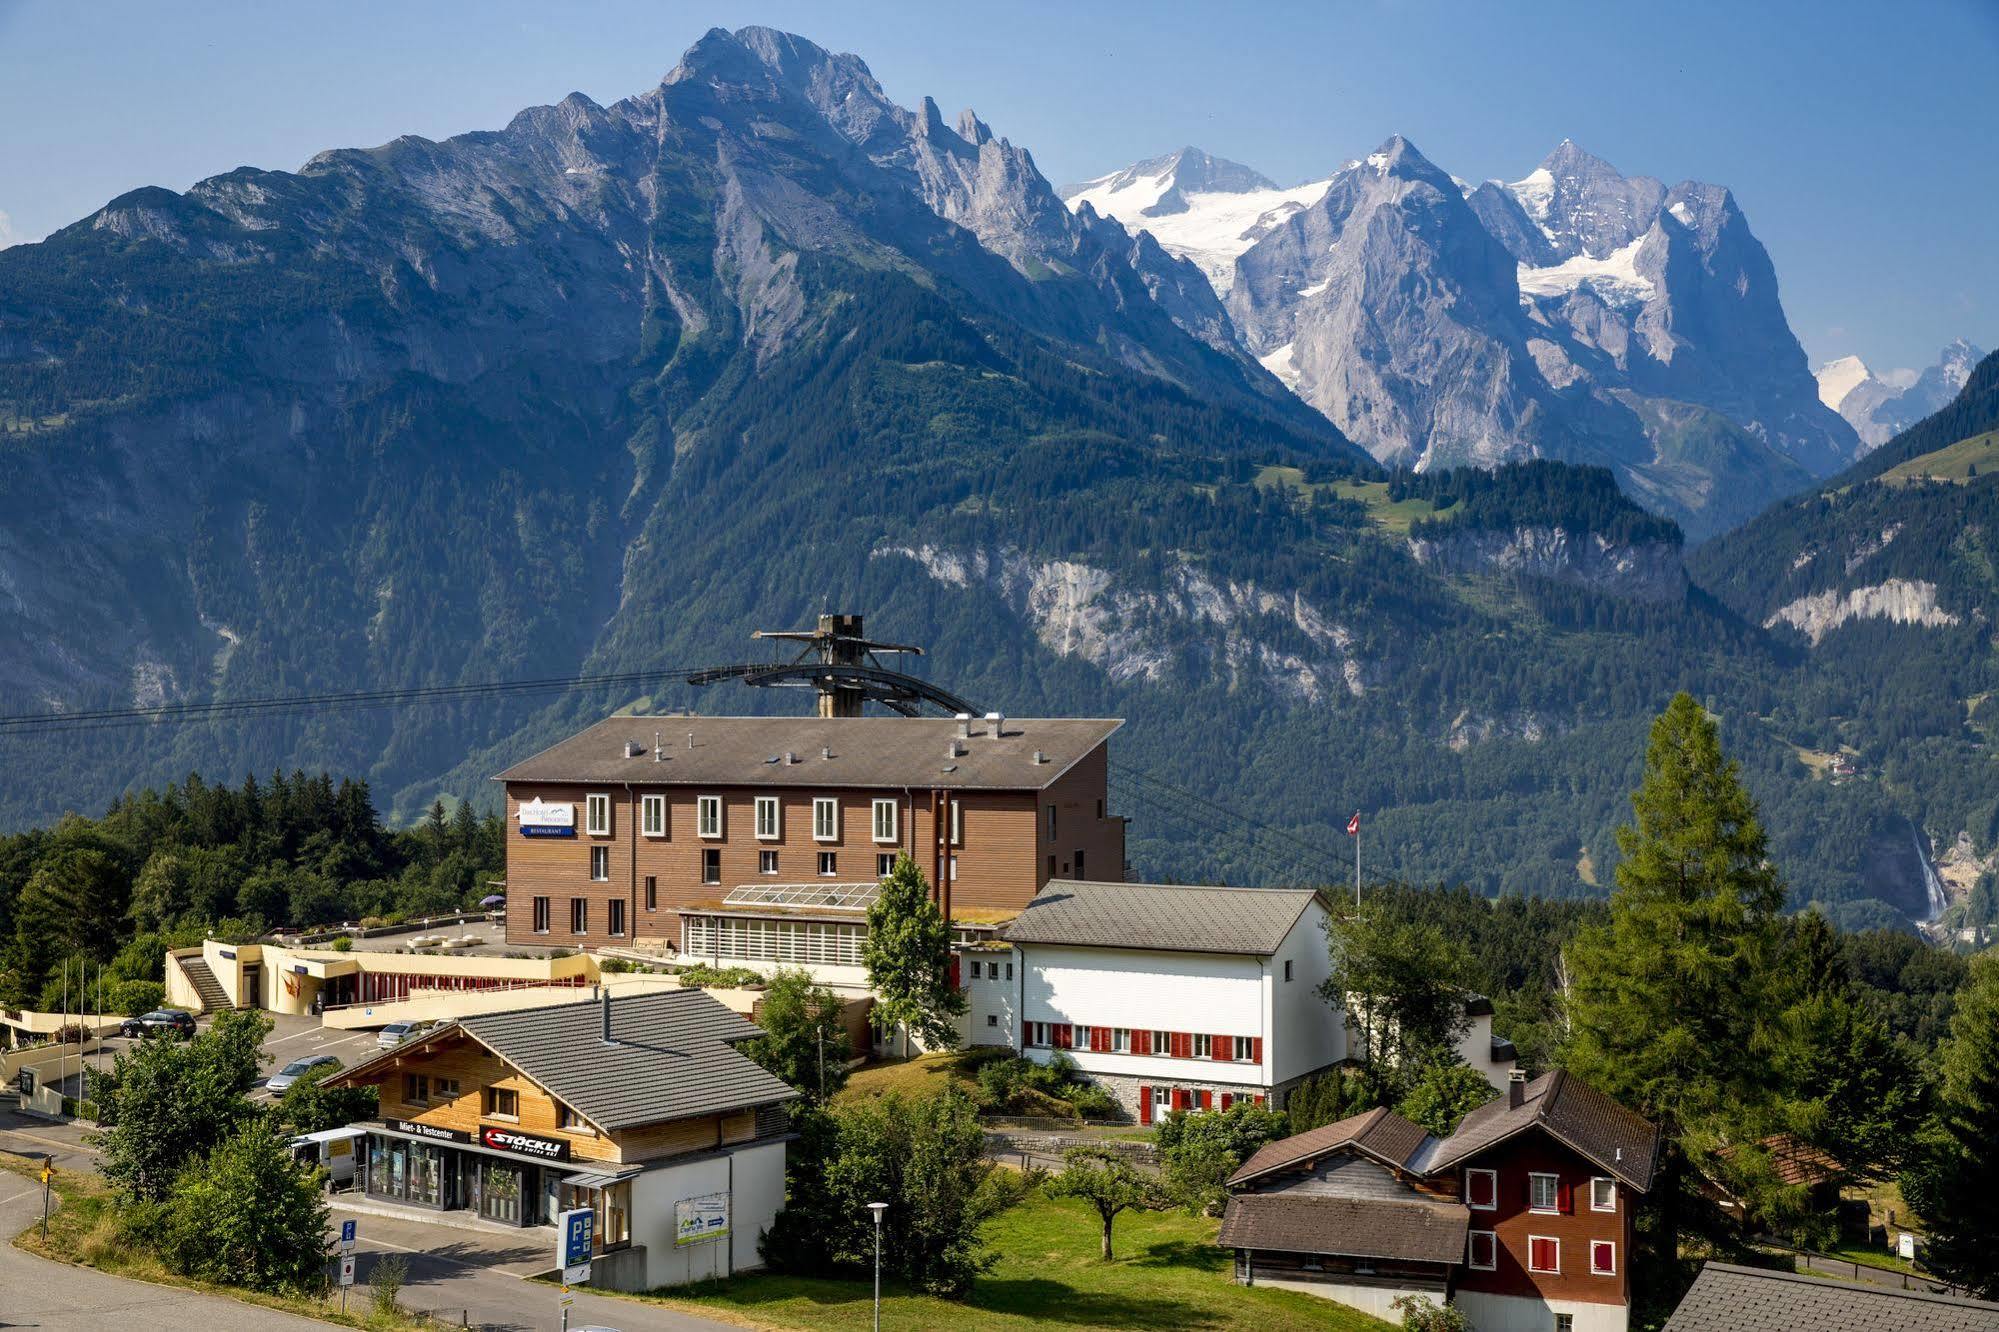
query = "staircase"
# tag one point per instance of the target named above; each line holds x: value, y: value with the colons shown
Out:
x: 205, y: 985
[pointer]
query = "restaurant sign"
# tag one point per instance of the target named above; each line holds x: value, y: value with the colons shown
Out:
x: 539, y: 819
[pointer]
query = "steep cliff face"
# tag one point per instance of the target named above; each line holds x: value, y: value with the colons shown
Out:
x: 1650, y: 571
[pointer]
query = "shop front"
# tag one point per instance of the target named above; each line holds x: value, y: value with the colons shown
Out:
x: 503, y: 1175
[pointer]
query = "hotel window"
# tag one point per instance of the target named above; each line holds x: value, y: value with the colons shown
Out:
x: 597, y: 814
x: 711, y: 865
x: 766, y: 862
x: 885, y: 830
x: 1120, y: 1040
x: 416, y: 1089
x: 652, y: 815
x: 975, y: 969
x: 1544, y: 1192
x: 1162, y: 1043
x: 951, y: 868
x: 708, y: 816
x: 829, y: 864
x: 1602, y: 1258
x: 825, y: 819
x: 957, y: 825
x: 540, y: 925
x: 1204, y: 1046
x: 1544, y: 1253
x: 600, y: 864
x: 1482, y: 1190
x: 1245, y: 1049
x: 444, y: 1089
x: 1051, y: 823
x: 1287, y: 968
x: 501, y: 1103
x: 884, y: 864
x: 770, y: 823
x: 579, y: 915
x: 652, y: 892
x: 615, y: 911
x: 1602, y: 1194
x: 1483, y: 1254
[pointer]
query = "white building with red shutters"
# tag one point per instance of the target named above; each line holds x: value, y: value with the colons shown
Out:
x: 1167, y: 996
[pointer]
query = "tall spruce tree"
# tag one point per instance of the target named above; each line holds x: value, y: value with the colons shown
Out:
x: 1668, y: 1002
x: 1954, y: 1182
x: 908, y: 956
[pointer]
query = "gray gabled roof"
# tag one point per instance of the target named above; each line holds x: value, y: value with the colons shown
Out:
x: 1618, y: 1141
x: 1727, y: 1298
x: 1156, y: 917
x: 672, y: 1056
x: 878, y: 752
x: 1380, y: 1132
x: 1412, y: 1231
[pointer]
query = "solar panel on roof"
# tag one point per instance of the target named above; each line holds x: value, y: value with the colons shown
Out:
x: 817, y: 896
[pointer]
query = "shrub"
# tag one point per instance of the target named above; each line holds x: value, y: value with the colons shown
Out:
x: 247, y: 1215
x: 1420, y: 1315
x: 719, y: 978
x: 133, y: 997
x: 341, y: 943
x: 385, y: 1284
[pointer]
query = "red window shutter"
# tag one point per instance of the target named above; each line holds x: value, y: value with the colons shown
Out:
x: 955, y: 983
x: 1207, y: 1099
x: 1179, y: 1098
x: 1221, y: 1047
x: 1100, y: 1039
x: 1259, y: 1100
x: 1141, y: 1042
x: 1565, y: 1195
x: 1256, y: 1049
x: 1066, y: 1036
x: 1183, y: 1045
x: 1227, y: 1100
x: 1144, y: 1104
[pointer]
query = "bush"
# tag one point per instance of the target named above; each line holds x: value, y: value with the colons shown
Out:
x: 134, y: 997
x: 341, y: 943
x: 719, y: 978
x: 1420, y: 1315
x: 385, y: 1284
x: 1200, y: 1151
x: 247, y: 1215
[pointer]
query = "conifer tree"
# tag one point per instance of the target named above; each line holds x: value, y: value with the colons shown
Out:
x: 1954, y: 1184
x: 908, y: 955
x: 1669, y: 999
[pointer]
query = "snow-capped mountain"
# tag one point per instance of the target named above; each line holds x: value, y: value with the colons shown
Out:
x: 1879, y: 407
x: 1203, y: 208
x: 1574, y: 313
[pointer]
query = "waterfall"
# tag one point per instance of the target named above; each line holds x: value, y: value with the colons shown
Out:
x: 1932, y: 882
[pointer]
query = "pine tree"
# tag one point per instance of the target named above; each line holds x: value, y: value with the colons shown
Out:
x: 1668, y: 999
x: 1954, y: 1183
x: 908, y: 955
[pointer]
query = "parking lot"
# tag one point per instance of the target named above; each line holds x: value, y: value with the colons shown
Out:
x: 295, y: 1037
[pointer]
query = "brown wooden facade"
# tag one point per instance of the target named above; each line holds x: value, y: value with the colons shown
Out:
x: 1573, y: 1223
x: 1008, y: 844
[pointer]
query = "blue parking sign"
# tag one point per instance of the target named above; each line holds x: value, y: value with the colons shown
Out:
x: 347, y: 1232
x: 578, y: 1229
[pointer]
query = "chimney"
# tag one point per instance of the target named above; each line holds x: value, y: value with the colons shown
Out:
x: 656, y: 755
x: 790, y: 756
x: 964, y: 726
x: 604, y: 1006
x: 1039, y: 758
x: 1516, y: 1087
x: 955, y: 749
x: 690, y: 739
x: 633, y: 749
x: 825, y: 751
x: 996, y: 724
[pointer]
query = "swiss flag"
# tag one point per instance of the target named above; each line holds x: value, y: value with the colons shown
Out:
x: 1353, y: 825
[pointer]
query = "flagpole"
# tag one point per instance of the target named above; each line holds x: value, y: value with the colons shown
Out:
x: 1356, y: 863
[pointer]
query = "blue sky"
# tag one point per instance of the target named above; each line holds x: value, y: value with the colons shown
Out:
x: 1858, y: 137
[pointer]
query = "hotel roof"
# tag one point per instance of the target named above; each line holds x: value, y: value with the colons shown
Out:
x: 881, y: 752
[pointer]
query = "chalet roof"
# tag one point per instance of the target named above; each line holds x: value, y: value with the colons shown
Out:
x: 1423, y: 1232
x: 1157, y: 917
x: 1727, y: 1298
x: 672, y: 1056
x: 1380, y: 1133
x: 880, y: 752
x: 1795, y: 1161
x: 1590, y: 1123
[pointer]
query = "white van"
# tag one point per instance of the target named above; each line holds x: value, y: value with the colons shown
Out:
x: 335, y: 1149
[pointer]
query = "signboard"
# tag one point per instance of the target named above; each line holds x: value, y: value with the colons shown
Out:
x: 574, y: 1231
x: 698, y: 1220
x: 515, y: 1143
x: 544, y: 820
x: 346, y: 1270
x: 1905, y: 1247
x: 416, y: 1130
x: 25, y: 1080
x: 347, y: 1229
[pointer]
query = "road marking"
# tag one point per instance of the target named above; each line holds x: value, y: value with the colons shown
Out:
x: 17, y: 1197
x: 294, y: 1036
x: 438, y: 1257
x: 53, y: 1142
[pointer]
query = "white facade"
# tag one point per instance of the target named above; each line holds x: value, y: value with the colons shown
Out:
x: 1273, y: 1001
x: 1528, y: 1313
x: 991, y: 981
x: 750, y: 1176
x: 1475, y: 1048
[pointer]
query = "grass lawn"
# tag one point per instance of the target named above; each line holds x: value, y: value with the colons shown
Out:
x: 84, y: 1231
x: 1168, y: 1275
x: 925, y: 1075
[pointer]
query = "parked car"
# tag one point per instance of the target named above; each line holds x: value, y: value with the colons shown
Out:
x: 297, y: 1069
x: 397, y: 1032
x: 173, y: 1021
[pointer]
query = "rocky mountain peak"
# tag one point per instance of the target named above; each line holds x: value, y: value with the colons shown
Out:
x: 1584, y: 205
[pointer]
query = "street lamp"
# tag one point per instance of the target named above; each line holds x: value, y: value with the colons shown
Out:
x: 878, y: 1209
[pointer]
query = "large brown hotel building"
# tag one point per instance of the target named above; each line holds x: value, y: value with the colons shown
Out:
x: 665, y: 828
